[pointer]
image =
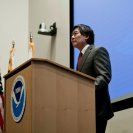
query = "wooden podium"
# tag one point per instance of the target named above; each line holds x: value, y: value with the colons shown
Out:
x: 58, y: 99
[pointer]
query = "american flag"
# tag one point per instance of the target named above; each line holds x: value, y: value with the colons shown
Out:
x: 1, y: 106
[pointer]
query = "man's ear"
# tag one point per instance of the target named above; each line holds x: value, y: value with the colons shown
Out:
x: 86, y: 37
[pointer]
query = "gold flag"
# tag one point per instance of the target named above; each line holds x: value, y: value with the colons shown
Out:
x: 31, y: 47
x: 11, y: 58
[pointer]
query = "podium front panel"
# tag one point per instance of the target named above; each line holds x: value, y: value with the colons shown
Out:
x: 58, y: 100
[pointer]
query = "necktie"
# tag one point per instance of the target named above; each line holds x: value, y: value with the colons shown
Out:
x: 79, y: 59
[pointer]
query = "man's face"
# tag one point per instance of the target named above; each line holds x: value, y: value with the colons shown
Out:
x: 78, y: 40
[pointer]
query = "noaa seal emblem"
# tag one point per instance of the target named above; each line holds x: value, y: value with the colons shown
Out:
x: 18, y: 98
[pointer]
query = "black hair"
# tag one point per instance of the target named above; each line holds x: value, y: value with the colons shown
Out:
x: 86, y: 30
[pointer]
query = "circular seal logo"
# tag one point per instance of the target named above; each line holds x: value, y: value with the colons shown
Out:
x: 18, y: 98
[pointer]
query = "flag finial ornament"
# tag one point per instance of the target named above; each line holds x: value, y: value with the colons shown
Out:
x: 11, y: 58
x: 31, y: 48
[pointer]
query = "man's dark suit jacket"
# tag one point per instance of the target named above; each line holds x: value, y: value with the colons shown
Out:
x: 96, y: 63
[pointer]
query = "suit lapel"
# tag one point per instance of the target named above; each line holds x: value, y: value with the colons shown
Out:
x: 87, y: 52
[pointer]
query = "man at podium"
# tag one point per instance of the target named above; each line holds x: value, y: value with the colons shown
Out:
x: 94, y: 61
